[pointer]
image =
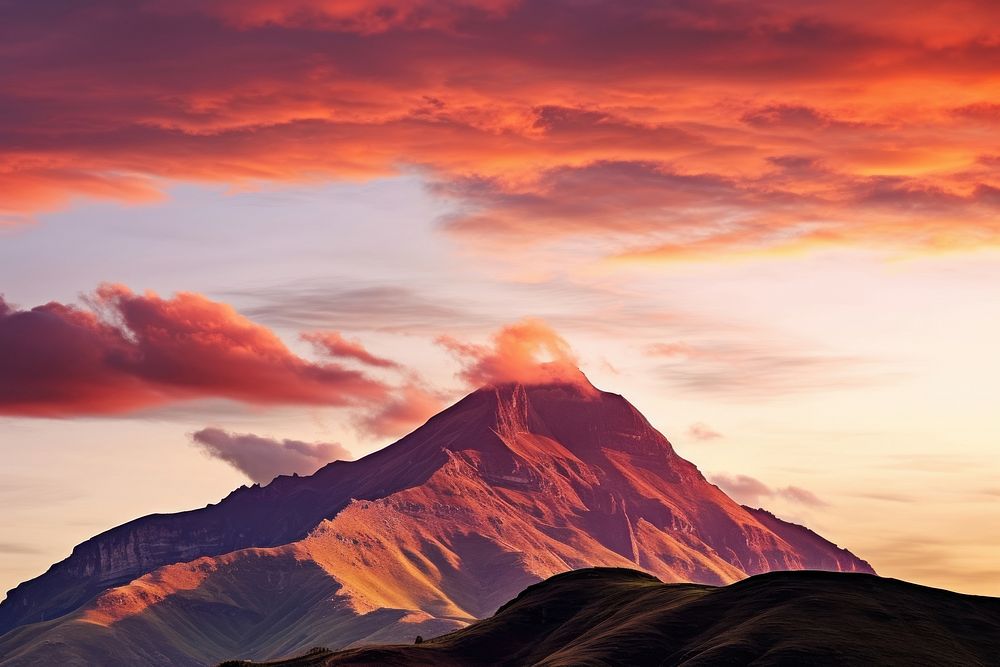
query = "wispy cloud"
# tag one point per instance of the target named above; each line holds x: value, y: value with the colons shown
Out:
x: 374, y: 307
x: 411, y: 405
x: 18, y: 549
x: 922, y: 557
x: 761, y: 370
x: 887, y: 497
x: 335, y: 345
x: 703, y: 432
x: 262, y: 459
x: 751, y: 491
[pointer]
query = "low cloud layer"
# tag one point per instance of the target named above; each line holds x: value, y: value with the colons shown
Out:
x: 751, y: 491
x: 262, y: 459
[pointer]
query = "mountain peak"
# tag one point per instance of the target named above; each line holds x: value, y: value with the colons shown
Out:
x: 562, y: 418
x: 515, y: 482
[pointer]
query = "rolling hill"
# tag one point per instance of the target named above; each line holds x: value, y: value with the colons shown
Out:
x: 608, y: 616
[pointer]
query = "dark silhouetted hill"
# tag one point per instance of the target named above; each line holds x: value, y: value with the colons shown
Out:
x: 610, y: 616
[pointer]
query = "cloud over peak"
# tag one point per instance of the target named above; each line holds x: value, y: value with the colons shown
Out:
x: 527, y: 352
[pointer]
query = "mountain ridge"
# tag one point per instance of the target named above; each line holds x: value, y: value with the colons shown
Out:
x: 508, y: 486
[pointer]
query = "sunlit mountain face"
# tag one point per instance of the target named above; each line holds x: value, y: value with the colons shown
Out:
x: 512, y: 484
x: 250, y: 243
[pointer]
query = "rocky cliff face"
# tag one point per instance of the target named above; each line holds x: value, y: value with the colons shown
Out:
x: 507, y: 487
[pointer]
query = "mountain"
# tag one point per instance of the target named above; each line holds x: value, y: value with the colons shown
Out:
x: 609, y: 616
x: 505, y: 488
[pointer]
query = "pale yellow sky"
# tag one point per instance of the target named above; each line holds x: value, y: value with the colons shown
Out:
x: 868, y: 380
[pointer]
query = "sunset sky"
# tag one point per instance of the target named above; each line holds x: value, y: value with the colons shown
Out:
x: 239, y: 237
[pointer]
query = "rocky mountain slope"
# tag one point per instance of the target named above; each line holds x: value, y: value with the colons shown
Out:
x: 623, y: 617
x: 507, y: 487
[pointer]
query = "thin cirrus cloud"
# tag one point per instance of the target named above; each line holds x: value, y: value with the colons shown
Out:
x: 757, y: 371
x: 751, y: 491
x: 381, y: 307
x: 262, y: 459
x: 125, y: 352
x: 661, y: 131
x: 18, y: 548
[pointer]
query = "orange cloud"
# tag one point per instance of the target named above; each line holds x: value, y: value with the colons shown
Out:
x: 778, y: 125
x: 335, y: 345
x: 411, y: 405
x: 528, y: 352
x: 130, y: 351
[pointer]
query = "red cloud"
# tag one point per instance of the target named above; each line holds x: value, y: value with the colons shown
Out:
x: 335, y: 345
x: 528, y: 352
x: 263, y: 459
x: 131, y: 351
x: 776, y: 125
